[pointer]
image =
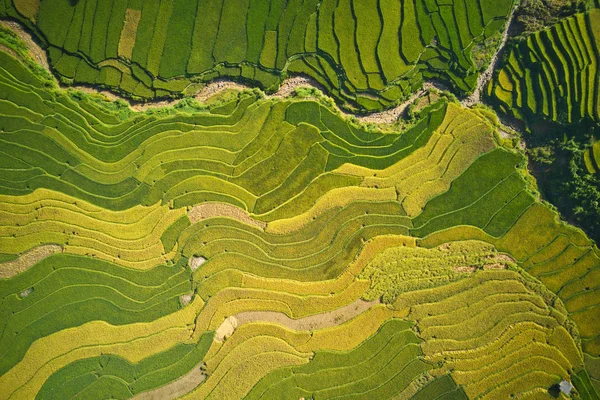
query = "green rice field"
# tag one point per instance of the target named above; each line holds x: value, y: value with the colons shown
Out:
x: 260, y: 246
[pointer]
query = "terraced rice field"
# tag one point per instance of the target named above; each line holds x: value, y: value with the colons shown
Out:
x: 271, y: 247
x: 553, y: 75
x: 592, y: 158
x: 367, y: 54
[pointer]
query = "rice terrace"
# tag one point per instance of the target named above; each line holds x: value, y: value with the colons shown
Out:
x: 299, y: 199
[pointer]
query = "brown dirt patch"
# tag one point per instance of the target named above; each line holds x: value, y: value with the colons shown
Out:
x: 392, y: 115
x: 177, y: 388
x: 211, y: 210
x: 27, y: 260
x: 495, y: 266
x: 226, y: 329
x: 504, y: 134
x: 445, y: 246
x: 186, y: 299
x: 288, y: 86
x: 312, y: 322
x: 195, y: 262
x: 505, y: 258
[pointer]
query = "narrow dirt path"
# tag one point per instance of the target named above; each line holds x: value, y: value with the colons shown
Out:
x: 392, y: 115
x: 27, y: 260
x: 485, y: 76
x: 196, y: 376
x: 177, y: 388
x: 313, y: 322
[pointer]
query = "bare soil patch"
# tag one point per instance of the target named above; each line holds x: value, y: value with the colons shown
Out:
x: 195, y: 262
x: 445, y: 246
x: 177, y: 388
x: 27, y: 260
x: 289, y: 86
x: 495, y: 266
x: 216, y: 87
x: 318, y: 321
x: 226, y: 329
x: 505, y: 134
x: 186, y: 299
x: 210, y: 210
x: 505, y: 258
x: 485, y: 76
x: 461, y: 268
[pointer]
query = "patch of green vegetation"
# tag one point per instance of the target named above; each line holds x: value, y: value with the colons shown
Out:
x: 269, y: 221
x: 547, y: 81
x: 110, y: 376
x: 566, y: 182
x: 11, y: 41
x: 382, y: 366
x: 403, y: 269
x: 490, y: 194
x: 361, y: 60
x: 535, y: 15
x: 295, y: 142
x: 71, y: 290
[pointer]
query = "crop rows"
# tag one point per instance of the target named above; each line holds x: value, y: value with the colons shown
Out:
x: 71, y: 290
x: 402, y: 269
x: 477, y: 289
x: 553, y: 74
x: 498, y: 337
x: 562, y: 258
x: 137, y: 237
x: 382, y: 366
x: 110, y: 376
x: 591, y: 158
x: 132, y: 342
x: 459, y: 140
x: 367, y: 54
x: 184, y: 158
